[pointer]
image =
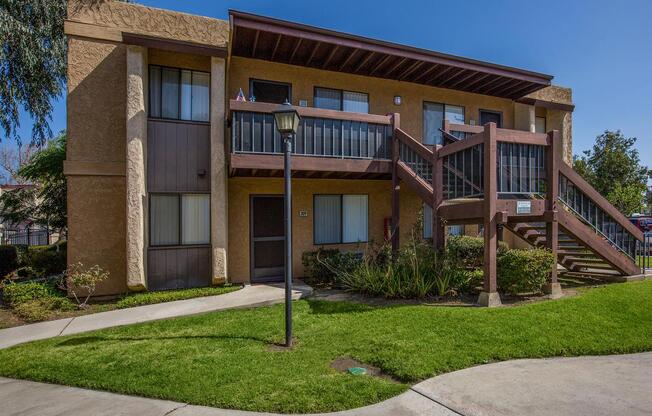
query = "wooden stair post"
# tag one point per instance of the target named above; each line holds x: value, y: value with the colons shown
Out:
x: 396, y: 185
x: 489, y: 295
x: 437, y: 198
x: 553, y: 288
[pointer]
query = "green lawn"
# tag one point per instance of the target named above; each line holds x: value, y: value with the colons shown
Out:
x: 227, y: 359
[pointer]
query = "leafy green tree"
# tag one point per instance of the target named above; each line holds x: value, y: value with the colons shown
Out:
x: 613, y: 167
x: 32, y: 63
x: 44, y: 203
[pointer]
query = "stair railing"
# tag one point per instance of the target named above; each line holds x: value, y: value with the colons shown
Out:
x: 595, y: 211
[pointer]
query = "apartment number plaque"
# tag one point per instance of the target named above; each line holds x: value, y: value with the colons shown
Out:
x: 523, y: 207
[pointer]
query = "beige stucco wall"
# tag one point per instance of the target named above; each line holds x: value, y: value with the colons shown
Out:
x: 134, y: 18
x: 379, y: 192
x: 381, y: 91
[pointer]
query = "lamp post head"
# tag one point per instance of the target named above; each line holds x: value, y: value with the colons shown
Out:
x: 287, y: 119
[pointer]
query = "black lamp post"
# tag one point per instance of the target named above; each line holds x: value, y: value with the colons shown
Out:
x: 287, y: 121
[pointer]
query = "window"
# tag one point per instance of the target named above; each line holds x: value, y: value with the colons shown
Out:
x: 270, y: 91
x: 340, y: 219
x: 332, y: 99
x: 179, y: 219
x: 433, y: 117
x: 491, y: 117
x: 540, y: 124
x: 178, y: 94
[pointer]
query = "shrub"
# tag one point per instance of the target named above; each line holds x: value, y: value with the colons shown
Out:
x: 41, y: 309
x: 47, y: 260
x: 84, y: 280
x: 8, y: 260
x: 524, y: 270
x: 15, y: 294
x: 469, y: 251
x: 322, y: 266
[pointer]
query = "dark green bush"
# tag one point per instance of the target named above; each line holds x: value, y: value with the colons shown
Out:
x: 469, y: 251
x: 8, y: 260
x: 322, y: 266
x: 16, y: 293
x: 46, y: 260
x: 522, y: 271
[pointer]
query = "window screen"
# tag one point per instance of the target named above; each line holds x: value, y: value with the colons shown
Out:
x: 355, y: 102
x: 179, y: 94
x: 433, y: 117
x: 540, y: 124
x: 195, y: 219
x: 340, y: 219
x: 328, y: 98
x: 179, y: 219
x: 333, y: 99
x: 327, y: 219
x: 164, y: 220
x: 427, y: 221
x: 354, y: 211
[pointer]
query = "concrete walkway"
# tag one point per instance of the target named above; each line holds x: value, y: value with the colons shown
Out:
x: 595, y: 386
x: 249, y: 296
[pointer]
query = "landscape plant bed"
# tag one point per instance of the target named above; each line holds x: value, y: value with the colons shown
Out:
x: 10, y: 319
x: 224, y: 359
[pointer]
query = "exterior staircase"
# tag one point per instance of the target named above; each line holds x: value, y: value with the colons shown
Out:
x: 592, y: 237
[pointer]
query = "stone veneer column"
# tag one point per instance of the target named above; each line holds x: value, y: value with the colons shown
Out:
x: 219, y: 189
x: 136, y: 168
x: 524, y: 117
x: 563, y: 121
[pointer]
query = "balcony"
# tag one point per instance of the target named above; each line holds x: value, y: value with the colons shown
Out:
x: 328, y: 144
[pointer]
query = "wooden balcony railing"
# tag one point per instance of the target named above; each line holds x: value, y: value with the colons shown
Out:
x: 322, y: 133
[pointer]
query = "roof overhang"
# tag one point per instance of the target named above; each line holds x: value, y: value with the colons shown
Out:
x: 275, y: 40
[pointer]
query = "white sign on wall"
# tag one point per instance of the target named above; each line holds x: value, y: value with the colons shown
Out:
x: 523, y: 207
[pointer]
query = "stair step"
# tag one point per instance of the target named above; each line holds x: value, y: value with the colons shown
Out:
x: 594, y: 266
x: 585, y: 260
x: 578, y: 253
x: 591, y: 274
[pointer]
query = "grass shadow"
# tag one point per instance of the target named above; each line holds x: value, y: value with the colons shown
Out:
x: 94, y: 339
x: 325, y: 307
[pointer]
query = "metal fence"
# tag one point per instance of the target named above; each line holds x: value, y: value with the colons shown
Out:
x: 644, y: 253
x: 26, y: 238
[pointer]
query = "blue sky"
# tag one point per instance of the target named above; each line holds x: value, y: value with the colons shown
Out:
x: 599, y: 48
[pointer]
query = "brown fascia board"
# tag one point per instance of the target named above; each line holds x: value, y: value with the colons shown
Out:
x: 551, y: 105
x: 173, y: 45
x: 256, y: 22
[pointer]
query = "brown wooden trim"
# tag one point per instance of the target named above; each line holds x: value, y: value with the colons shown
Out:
x: 550, y: 105
x: 309, y: 163
x: 466, y: 128
x: 413, y: 144
x: 489, y: 221
x: 259, y: 107
x: 396, y: 185
x: 174, y: 45
x: 91, y: 31
x: 438, y: 198
x: 599, y: 200
x: 418, y: 185
x: 471, y: 211
x: 522, y: 137
x: 460, y: 145
x: 538, y: 208
x: 315, y: 34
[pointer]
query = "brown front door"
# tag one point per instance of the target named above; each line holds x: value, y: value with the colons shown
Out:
x: 267, y: 239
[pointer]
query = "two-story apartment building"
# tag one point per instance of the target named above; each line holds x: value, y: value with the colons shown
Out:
x: 175, y: 170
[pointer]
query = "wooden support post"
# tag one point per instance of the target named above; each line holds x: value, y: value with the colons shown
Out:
x: 437, y: 198
x: 396, y: 185
x: 489, y: 295
x: 553, y: 160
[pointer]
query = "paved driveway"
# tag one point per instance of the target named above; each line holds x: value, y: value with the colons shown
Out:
x: 592, y: 386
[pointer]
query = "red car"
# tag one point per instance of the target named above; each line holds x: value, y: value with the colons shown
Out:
x: 643, y: 223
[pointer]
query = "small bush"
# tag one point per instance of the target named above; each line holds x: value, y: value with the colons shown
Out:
x: 15, y: 294
x: 148, y: 298
x: 521, y: 271
x: 84, y: 280
x: 46, y: 260
x: 41, y: 309
x: 322, y: 266
x: 8, y: 260
x: 469, y: 251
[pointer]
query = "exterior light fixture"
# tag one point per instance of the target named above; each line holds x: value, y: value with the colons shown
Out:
x: 397, y: 100
x: 287, y: 122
